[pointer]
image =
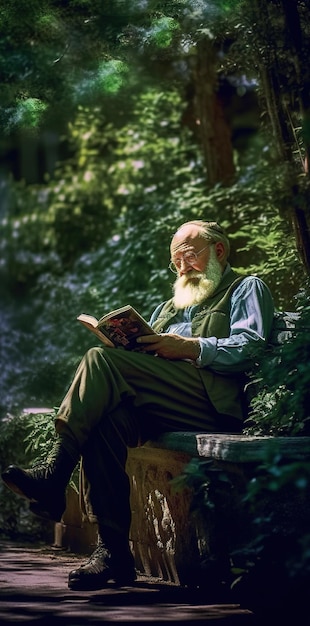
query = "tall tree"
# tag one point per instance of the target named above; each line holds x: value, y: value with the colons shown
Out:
x: 280, y: 30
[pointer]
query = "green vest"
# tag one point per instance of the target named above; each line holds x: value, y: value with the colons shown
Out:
x: 212, y: 319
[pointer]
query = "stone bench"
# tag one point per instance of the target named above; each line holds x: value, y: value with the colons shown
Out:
x: 166, y: 541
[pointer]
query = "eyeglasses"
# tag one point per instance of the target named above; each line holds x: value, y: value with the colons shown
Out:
x: 189, y: 257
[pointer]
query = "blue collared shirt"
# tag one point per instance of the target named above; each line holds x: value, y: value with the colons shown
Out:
x: 251, y: 318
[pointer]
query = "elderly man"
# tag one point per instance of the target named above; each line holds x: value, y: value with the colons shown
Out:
x: 208, y: 333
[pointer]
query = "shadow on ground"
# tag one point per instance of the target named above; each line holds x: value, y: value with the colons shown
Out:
x: 33, y: 590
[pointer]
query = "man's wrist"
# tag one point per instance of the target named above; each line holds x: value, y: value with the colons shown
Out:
x: 197, y: 360
x: 196, y: 351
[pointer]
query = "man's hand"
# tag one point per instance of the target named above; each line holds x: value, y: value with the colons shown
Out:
x: 171, y: 346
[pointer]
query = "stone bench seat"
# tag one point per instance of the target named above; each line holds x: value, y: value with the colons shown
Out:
x: 232, y: 448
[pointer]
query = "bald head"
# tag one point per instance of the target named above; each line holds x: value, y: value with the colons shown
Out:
x: 196, y: 232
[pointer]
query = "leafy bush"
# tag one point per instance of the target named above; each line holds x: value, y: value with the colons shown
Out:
x: 277, y: 545
x: 23, y: 439
x: 26, y: 440
x: 281, y: 406
x: 256, y: 528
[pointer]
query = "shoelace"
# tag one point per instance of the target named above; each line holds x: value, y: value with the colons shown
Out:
x: 100, y: 554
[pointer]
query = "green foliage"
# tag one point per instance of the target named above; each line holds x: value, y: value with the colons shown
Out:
x: 113, y: 179
x: 257, y: 527
x: 162, y: 31
x: 281, y: 407
x: 277, y: 547
x: 26, y: 439
x: 22, y: 438
x: 111, y: 75
x: 29, y: 112
x: 64, y: 56
x: 208, y: 484
x: 275, y: 474
x: 68, y: 216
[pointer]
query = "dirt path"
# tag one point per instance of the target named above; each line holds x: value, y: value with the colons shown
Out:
x: 33, y: 590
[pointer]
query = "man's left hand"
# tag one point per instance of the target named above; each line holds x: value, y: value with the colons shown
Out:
x: 171, y: 346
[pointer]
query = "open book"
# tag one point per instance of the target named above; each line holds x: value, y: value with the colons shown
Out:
x: 119, y: 328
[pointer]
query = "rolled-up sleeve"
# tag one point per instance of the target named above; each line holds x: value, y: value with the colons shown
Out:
x: 251, y: 317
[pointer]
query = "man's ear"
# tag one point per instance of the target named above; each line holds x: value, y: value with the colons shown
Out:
x: 220, y: 251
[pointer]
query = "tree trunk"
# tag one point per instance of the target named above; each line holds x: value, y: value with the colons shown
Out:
x: 278, y: 25
x: 300, y: 57
x: 214, y: 129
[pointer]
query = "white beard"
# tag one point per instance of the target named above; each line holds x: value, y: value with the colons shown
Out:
x: 194, y: 287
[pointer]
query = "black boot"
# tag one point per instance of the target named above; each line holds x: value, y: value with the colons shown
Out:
x: 104, y: 566
x: 44, y: 485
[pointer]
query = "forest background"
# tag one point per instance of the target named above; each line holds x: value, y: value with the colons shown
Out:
x: 119, y: 121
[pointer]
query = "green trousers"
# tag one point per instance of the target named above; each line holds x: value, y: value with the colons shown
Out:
x: 119, y: 399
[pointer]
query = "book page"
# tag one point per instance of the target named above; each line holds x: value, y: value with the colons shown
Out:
x: 88, y: 319
x: 123, y: 326
x: 91, y: 323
